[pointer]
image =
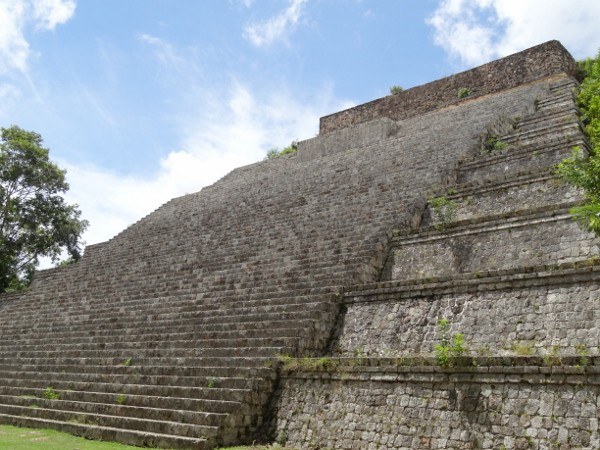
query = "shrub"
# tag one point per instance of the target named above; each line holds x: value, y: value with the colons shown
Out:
x: 580, y: 169
x: 396, y: 90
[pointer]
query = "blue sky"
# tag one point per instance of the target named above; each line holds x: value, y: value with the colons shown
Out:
x: 145, y: 100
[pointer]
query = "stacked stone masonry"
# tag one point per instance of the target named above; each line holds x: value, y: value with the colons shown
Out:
x: 169, y: 334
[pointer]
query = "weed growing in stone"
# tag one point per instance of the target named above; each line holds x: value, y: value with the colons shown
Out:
x: 444, y: 210
x: 584, y: 355
x: 464, y: 92
x: 493, y: 143
x: 396, y: 90
x: 126, y: 363
x: 121, y: 399
x: 551, y: 358
x: 51, y: 394
x: 276, y: 153
x: 450, y: 346
x: 523, y: 348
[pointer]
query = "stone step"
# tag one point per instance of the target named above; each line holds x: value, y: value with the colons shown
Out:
x: 118, y: 407
x: 104, y: 420
x: 128, y: 368
x: 123, y: 330
x: 129, y: 437
x: 125, y: 354
x: 81, y: 321
x: 227, y: 382
x: 520, y: 194
x: 133, y: 346
x: 226, y: 299
x: 114, y: 340
x: 145, y: 401
x: 196, y: 392
x: 494, y: 243
x: 518, y: 161
x: 120, y: 328
x: 555, y: 115
x: 182, y: 332
x: 544, y: 132
x: 229, y: 362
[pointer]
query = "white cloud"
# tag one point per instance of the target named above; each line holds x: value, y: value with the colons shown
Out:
x: 476, y: 31
x: 50, y: 13
x: 276, y: 28
x: 14, y: 49
x: 16, y: 16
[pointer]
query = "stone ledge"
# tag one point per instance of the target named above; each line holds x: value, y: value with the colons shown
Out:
x: 476, y: 225
x: 545, y: 275
x: 465, y: 368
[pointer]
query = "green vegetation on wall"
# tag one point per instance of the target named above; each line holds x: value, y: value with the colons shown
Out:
x: 579, y: 169
x: 276, y: 153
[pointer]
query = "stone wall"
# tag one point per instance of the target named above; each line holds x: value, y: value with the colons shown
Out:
x: 400, y: 407
x: 506, y: 313
x: 538, y: 62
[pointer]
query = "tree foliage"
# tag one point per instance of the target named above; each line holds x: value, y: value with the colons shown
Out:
x: 580, y: 169
x: 35, y: 220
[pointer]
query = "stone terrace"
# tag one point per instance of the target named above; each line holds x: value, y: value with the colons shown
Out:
x: 167, y: 335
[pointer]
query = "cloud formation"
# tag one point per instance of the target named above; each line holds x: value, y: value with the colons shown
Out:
x: 16, y: 16
x: 276, y: 28
x: 476, y: 31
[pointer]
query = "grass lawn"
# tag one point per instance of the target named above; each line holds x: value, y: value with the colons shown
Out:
x: 15, y: 438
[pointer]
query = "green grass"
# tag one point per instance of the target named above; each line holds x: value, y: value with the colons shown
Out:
x: 16, y: 438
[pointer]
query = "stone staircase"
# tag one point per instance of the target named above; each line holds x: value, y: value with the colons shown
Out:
x: 501, y: 233
x: 168, y: 334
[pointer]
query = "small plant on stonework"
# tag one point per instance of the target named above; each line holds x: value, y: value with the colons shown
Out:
x: 394, y: 90
x: 121, y: 399
x: 551, y: 358
x: 126, y: 363
x: 444, y: 210
x: 450, y: 346
x: 358, y: 352
x: 523, y: 349
x: 211, y: 384
x: 584, y: 355
x: 276, y: 153
x: 464, y: 92
x: 493, y: 143
x: 51, y: 394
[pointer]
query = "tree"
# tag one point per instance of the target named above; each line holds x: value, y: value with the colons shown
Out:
x: 581, y: 170
x: 35, y: 220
